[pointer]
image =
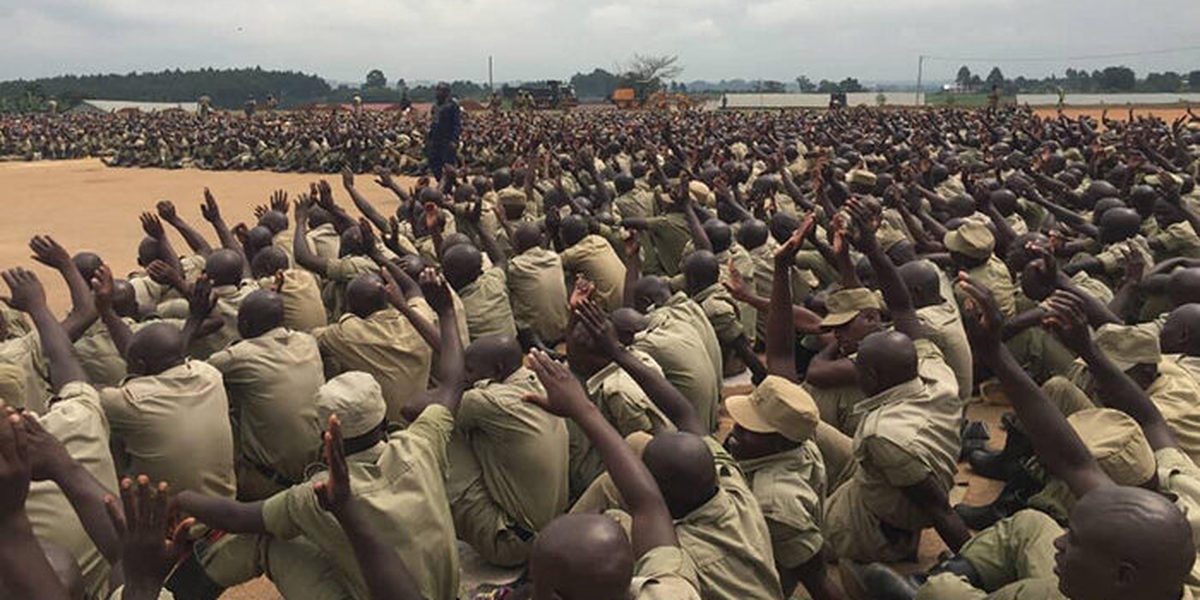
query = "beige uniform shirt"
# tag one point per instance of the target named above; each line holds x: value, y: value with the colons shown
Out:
x: 339, y: 272
x: 909, y: 432
x: 676, y: 347
x: 726, y: 320
x: 594, y: 258
x: 625, y: 406
x: 1177, y: 395
x: 521, y: 448
x: 1178, y: 239
x: 229, y: 301
x: 324, y: 241
x: 662, y: 244
x: 98, y: 355
x: 1179, y: 477
x: 25, y: 353
x: 401, y: 485
x: 538, y: 290
x: 790, y: 489
x: 664, y: 573
x: 303, y: 309
x: 284, y: 240
x: 1112, y: 258
x: 680, y: 307
x: 77, y: 420
x: 634, y: 204
x: 272, y: 382
x: 386, y: 345
x: 175, y: 428
x: 486, y: 303
x: 727, y: 539
x: 943, y: 324
x: 994, y: 276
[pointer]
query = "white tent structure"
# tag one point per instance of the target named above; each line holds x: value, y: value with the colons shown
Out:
x: 112, y: 106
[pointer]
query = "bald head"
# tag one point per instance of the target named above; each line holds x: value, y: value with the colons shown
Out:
x: 274, y: 220
x: 462, y: 265
x: 581, y: 557
x: 683, y: 466
x: 1125, y: 542
x: 573, y: 229
x: 124, y: 299
x: 365, y: 295
x: 257, y: 239
x: 719, y: 234
x: 260, y: 312
x: 526, y: 236
x: 1184, y: 286
x: 1119, y: 224
x: 493, y: 357
x: 648, y: 291
x: 753, y: 234
x: 700, y: 270
x: 922, y: 282
x: 224, y: 267
x: 268, y: 261
x: 154, y: 349
x: 885, y: 359
x: 87, y: 263
x: 1181, y: 332
x: 628, y: 322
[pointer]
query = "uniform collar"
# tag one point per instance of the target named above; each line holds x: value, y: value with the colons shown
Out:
x: 597, y: 379
x: 709, y: 512
x: 757, y: 464
x: 892, y: 395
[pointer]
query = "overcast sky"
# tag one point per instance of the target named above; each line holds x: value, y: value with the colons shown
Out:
x: 540, y: 39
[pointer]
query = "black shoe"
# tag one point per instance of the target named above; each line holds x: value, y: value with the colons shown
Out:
x: 1014, y: 497
x: 1005, y: 464
x: 957, y: 565
x: 880, y: 582
x: 974, y: 436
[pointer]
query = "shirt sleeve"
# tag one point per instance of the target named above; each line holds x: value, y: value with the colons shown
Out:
x: 281, y: 513
x: 900, y: 467
x: 725, y: 322
x: 339, y: 269
x: 795, y: 538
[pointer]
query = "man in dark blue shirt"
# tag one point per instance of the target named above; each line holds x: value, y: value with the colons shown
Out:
x: 444, y: 131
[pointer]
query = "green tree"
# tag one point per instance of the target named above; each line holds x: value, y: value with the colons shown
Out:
x: 995, y: 77
x: 1117, y: 79
x: 1194, y: 80
x: 805, y: 84
x: 597, y: 84
x: 851, y: 85
x: 375, y: 80
x: 963, y: 79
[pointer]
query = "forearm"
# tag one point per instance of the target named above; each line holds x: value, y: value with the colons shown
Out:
x: 950, y: 528
x: 120, y: 333
x: 699, y: 237
x: 895, y: 292
x: 192, y: 237
x: 368, y: 210
x: 451, y: 368
x: 781, y: 336
x: 1018, y: 324
x: 226, y: 236
x: 223, y: 514
x: 57, y: 348
x: 304, y: 255
x: 660, y: 391
x: 83, y: 304
x: 1117, y: 390
x: 86, y: 496
x: 428, y: 332
x: 827, y: 370
x: 741, y: 347
x: 638, y: 488
x: 23, y: 566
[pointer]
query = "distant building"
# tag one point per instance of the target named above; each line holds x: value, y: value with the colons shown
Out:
x: 116, y: 106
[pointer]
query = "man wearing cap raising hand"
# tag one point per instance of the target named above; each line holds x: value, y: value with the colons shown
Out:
x: 906, y: 447
x: 398, y: 478
x: 772, y: 440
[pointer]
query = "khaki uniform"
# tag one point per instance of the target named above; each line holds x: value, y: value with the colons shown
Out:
x: 994, y: 275
x: 1093, y: 286
x: 303, y: 309
x: 401, y: 485
x: 229, y: 301
x: 663, y: 242
x: 485, y: 301
x: 744, y: 263
x: 726, y: 320
x: 676, y: 345
x: 339, y: 272
x: 25, y: 353
x: 727, y: 539
x: 272, y: 381
x: 634, y: 204
x: 594, y: 258
x: 1178, y: 239
x: 98, y: 355
x: 837, y: 405
x: 625, y: 406
x: 284, y: 240
x: 680, y: 307
x: 664, y: 573
x: 1179, y: 477
x: 77, y: 420
x: 324, y: 241
x: 538, y: 290
x: 13, y: 323
x: 1014, y: 559
x: 943, y: 324
x: 387, y: 346
x: 790, y: 489
x: 175, y: 428
x: 1112, y: 258
x: 908, y: 433
x: 512, y: 478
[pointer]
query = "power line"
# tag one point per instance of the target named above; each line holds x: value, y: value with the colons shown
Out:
x: 1065, y: 58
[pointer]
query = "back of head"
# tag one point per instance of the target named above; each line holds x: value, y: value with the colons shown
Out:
x: 365, y: 295
x: 1181, y: 332
x: 462, y: 265
x: 885, y: 359
x: 624, y: 183
x: 752, y: 234
x: 224, y: 267
x: 261, y: 311
x: 1184, y: 286
x: 1119, y: 224
x: 701, y: 270
x: 87, y: 263
x: 154, y: 349
x: 782, y: 226
x: 573, y: 229
x: 922, y: 282
x: 274, y: 221
x: 581, y: 557
x: 719, y: 233
x: 527, y: 235
x: 492, y: 357
x: 268, y: 261
x: 258, y: 238
x: 1125, y: 542
x: 628, y: 322
x: 648, y: 291
x: 683, y: 466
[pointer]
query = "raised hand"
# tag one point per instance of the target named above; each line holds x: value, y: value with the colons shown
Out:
x: 152, y: 536
x: 49, y: 252
x: 369, y: 239
x: 164, y: 274
x: 435, y: 289
x: 47, y: 456
x: 279, y: 201
x: 202, y: 300
x: 581, y: 292
x: 102, y: 288
x: 260, y: 211
x: 1068, y: 321
x: 785, y: 255
x: 347, y: 177
x: 736, y: 284
x: 391, y: 289
x: 325, y: 197
x: 433, y: 218
x: 984, y: 322
x: 210, y: 210
x: 27, y: 293
x: 304, y: 204
x: 866, y: 219
x: 565, y: 396
x: 633, y: 246
x: 152, y: 226
x: 384, y: 179
x: 334, y: 492
x: 599, y: 327
x: 166, y: 211
x: 15, y: 469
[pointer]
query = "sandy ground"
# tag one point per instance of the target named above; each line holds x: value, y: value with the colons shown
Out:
x: 87, y: 206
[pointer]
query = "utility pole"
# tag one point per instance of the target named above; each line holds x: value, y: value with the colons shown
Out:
x: 491, y: 86
x: 920, y: 71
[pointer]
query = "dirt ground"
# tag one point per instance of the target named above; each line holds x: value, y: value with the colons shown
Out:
x: 87, y: 206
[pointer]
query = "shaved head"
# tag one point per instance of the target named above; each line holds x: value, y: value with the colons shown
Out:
x: 365, y: 295
x: 582, y: 557
x: 154, y: 349
x: 683, y: 466
x: 885, y: 359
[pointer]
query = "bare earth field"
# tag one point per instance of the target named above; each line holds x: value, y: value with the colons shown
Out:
x: 88, y: 206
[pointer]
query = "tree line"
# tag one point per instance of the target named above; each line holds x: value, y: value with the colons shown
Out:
x: 1114, y: 79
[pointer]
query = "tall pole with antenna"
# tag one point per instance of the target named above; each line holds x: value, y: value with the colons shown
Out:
x: 491, y: 86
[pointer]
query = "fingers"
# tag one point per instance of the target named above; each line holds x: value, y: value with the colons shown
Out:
x: 9, y: 451
x: 116, y: 516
